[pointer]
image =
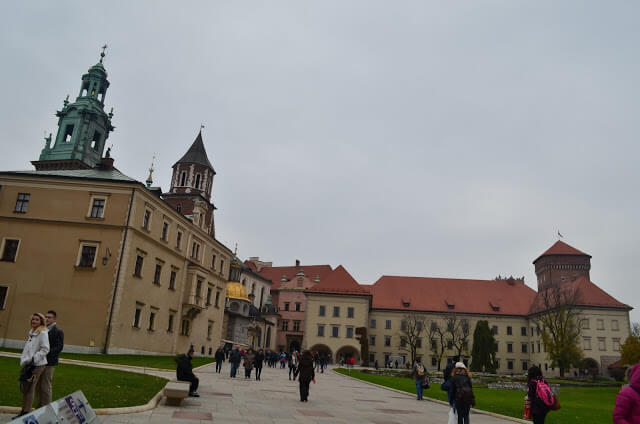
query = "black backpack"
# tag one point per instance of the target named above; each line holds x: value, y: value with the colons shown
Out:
x: 464, y: 395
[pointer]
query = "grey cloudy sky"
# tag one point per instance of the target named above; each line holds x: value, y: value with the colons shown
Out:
x: 393, y: 137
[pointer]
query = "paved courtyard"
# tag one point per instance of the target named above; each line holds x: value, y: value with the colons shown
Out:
x: 275, y: 399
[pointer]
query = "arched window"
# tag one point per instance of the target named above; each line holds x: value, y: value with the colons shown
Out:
x: 198, y: 181
x: 183, y: 179
x: 179, y: 208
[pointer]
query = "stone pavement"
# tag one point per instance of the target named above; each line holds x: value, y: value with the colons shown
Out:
x: 275, y: 399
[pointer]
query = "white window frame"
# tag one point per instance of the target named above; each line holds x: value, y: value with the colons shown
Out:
x: 84, y: 243
x: 94, y: 197
x: 4, y: 240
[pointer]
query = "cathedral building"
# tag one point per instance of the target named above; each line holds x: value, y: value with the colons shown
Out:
x: 128, y: 269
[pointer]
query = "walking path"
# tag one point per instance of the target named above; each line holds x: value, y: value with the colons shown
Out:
x: 275, y: 399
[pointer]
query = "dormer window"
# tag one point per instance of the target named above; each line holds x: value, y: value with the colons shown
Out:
x: 494, y: 307
x: 406, y: 303
x: 450, y: 305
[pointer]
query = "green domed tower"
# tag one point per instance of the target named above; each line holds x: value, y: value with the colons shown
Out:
x: 83, y: 126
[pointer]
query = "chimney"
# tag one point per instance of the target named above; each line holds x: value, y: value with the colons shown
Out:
x: 297, y: 263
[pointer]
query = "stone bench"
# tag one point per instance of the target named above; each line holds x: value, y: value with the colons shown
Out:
x: 176, y: 391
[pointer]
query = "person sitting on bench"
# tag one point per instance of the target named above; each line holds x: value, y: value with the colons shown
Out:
x: 185, y: 372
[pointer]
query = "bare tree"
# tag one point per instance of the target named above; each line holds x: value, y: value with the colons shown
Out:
x: 560, y: 323
x: 459, y: 330
x: 436, y: 335
x: 411, y: 329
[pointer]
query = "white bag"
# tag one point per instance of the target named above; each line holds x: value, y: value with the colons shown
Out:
x: 453, y: 417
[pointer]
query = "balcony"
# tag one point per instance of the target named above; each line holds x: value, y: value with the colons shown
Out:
x: 193, y: 305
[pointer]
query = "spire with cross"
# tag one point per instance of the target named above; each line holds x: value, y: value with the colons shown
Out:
x: 102, y: 53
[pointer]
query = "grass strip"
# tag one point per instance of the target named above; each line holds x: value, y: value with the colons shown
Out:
x: 148, y: 361
x: 585, y: 405
x: 104, y: 388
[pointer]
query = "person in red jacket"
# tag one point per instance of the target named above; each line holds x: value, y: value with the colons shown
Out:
x: 627, y: 409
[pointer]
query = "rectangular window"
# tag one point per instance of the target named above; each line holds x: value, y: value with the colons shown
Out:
x: 372, y: 323
x: 523, y: 331
x: 138, y: 268
x: 296, y: 325
x: 509, y: 331
x: 419, y: 343
x: 494, y: 330
x: 285, y: 325
x: 336, y: 311
x: 4, y: 290
x: 209, y: 330
x: 97, y: 209
x: 434, y: 361
x: 531, y: 331
x: 165, y: 231
x: 372, y: 340
x: 320, y: 330
x: 335, y: 331
x: 510, y: 364
x: 198, y: 288
x: 209, y: 291
x: 449, y: 344
x: 434, y: 345
x: 585, y: 324
x: 600, y: 324
x: 616, y: 345
x: 372, y: 357
x: 157, y: 274
x: 387, y: 340
x: 137, y: 314
x: 525, y: 365
x: 172, y: 280
x: 586, y: 343
x: 298, y: 307
x: 221, y: 266
x: 22, y: 203
x: 387, y: 324
x: 321, y: 311
x: 146, y: 219
x: 602, y: 345
x: 350, y: 312
x: 496, y: 346
x: 87, y: 256
x: 184, y: 328
x: 172, y: 316
x: 349, y: 332
x: 403, y: 341
x: 538, y: 347
x: 213, y: 262
x: 524, y: 348
x: 217, y: 304
x: 152, y: 318
x: 195, y: 251
x: 614, y: 325
x: 9, y: 250
x: 286, y: 306
x: 178, y: 239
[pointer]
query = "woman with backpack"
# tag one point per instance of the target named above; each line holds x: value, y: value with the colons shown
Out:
x: 627, y: 409
x: 540, y: 395
x: 462, y: 398
x: 418, y: 374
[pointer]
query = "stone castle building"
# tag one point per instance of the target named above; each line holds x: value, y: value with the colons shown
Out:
x: 338, y: 305
x: 129, y: 269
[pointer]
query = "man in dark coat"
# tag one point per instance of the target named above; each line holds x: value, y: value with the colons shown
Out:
x: 56, y: 344
x: 306, y: 374
x: 219, y: 359
x: 234, y: 359
x: 184, y: 372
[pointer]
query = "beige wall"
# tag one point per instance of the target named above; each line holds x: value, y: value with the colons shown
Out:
x: 360, y: 305
x: 45, y: 276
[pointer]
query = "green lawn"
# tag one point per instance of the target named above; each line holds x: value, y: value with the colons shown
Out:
x: 103, y: 388
x: 585, y: 405
x: 162, y: 362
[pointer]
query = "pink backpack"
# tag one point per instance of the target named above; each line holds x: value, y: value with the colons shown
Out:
x: 543, y: 391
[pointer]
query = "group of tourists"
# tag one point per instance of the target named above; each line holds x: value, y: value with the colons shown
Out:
x: 39, y: 359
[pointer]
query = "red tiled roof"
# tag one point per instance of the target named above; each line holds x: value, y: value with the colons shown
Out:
x: 340, y: 282
x: 588, y: 294
x: 466, y: 296
x: 275, y: 273
x: 561, y: 248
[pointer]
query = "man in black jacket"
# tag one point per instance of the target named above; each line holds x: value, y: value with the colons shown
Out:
x: 184, y: 372
x: 219, y: 359
x: 56, y: 343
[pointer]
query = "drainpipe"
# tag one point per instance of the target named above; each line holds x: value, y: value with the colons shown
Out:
x: 105, y: 349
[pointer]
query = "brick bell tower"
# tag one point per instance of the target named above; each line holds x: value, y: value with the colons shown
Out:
x: 560, y: 264
x: 191, y: 186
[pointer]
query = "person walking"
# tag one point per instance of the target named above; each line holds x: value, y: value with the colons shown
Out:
x: 234, y: 359
x: 627, y: 409
x: 219, y: 356
x: 34, y: 358
x: 293, y: 365
x: 539, y: 409
x: 306, y: 375
x: 462, y: 398
x: 249, y: 357
x: 258, y: 363
x: 446, y: 375
x: 56, y: 344
x: 418, y: 374
x: 184, y: 372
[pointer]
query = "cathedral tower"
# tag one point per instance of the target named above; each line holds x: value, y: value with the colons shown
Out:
x: 83, y: 126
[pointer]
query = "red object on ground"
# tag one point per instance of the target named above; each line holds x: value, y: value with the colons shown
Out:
x: 526, y: 413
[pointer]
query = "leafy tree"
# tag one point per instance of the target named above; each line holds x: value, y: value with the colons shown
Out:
x: 631, y: 350
x: 411, y: 329
x: 560, y: 324
x: 436, y: 335
x: 483, y: 353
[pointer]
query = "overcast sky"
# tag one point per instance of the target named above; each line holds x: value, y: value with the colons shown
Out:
x: 397, y: 137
